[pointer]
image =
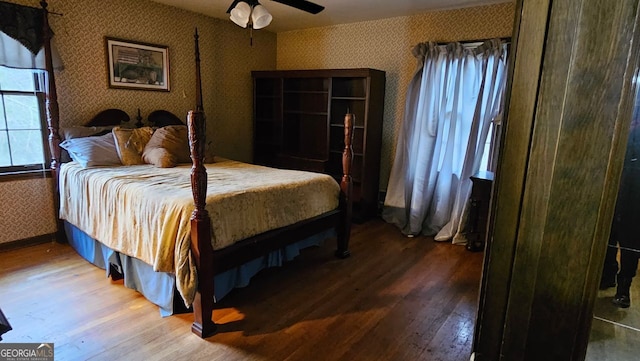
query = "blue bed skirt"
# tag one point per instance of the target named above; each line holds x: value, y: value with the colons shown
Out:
x: 159, y: 287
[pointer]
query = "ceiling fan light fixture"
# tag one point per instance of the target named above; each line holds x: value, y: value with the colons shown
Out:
x: 260, y: 17
x: 240, y: 14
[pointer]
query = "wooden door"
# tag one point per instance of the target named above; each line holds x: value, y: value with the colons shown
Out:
x: 569, y: 108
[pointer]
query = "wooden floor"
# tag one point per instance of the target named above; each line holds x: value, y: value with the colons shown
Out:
x: 395, y: 298
x: 615, y: 333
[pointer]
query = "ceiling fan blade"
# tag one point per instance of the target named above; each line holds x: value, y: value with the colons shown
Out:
x: 303, y: 5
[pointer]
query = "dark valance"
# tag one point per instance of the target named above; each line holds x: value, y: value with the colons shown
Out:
x: 22, y: 23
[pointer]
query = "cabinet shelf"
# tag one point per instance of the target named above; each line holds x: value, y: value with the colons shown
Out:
x: 301, y: 112
x: 336, y: 151
x: 305, y: 92
x: 298, y: 120
x: 349, y: 98
x: 336, y: 125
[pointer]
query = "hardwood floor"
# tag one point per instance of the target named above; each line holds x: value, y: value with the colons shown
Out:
x: 395, y: 298
x: 615, y: 333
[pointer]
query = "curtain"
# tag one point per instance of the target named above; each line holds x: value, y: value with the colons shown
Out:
x: 451, y: 101
x: 21, y: 40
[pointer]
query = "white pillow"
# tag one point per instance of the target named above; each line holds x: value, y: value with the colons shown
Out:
x: 79, y: 132
x: 92, y: 151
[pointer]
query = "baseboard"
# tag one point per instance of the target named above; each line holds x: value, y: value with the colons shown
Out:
x: 31, y: 241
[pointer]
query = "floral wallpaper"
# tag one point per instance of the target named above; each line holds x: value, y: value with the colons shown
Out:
x: 386, y: 45
x: 27, y: 209
x: 227, y: 59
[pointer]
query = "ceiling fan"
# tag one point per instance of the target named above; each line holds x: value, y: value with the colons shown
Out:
x: 242, y: 11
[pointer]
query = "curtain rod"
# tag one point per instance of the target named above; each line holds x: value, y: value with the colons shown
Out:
x: 506, y: 39
x: 33, y: 7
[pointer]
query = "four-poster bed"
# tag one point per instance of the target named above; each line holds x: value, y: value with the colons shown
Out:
x: 208, y: 260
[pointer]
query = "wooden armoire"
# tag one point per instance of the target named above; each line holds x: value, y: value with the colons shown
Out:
x: 298, y: 124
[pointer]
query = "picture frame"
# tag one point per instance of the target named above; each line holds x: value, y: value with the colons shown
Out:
x: 136, y: 65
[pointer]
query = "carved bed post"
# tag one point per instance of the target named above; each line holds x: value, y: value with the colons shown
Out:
x: 201, y: 248
x: 53, y: 118
x: 346, y: 189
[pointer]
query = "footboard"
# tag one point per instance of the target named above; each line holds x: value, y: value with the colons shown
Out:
x: 201, y: 248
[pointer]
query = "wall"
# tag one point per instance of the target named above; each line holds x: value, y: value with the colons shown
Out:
x: 386, y: 45
x: 27, y: 209
x: 226, y: 61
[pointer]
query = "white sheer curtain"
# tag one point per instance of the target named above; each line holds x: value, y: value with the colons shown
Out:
x: 15, y: 55
x: 22, y: 38
x: 451, y: 101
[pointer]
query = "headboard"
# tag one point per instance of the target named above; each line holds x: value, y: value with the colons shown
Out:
x: 108, y: 117
x: 162, y: 118
x: 92, y: 151
x: 112, y: 117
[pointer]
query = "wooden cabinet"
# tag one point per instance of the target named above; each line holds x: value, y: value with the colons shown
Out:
x: 479, y: 210
x: 298, y: 124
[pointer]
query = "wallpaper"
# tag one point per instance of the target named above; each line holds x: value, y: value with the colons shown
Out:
x: 27, y: 209
x: 227, y: 59
x: 386, y: 45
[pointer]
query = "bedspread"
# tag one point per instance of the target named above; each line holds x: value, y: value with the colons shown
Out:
x: 145, y: 212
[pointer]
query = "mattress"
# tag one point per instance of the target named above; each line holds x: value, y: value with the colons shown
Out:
x: 144, y: 212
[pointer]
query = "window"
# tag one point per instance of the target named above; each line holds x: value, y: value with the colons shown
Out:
x: 489, y: 154
x: 22, y: 112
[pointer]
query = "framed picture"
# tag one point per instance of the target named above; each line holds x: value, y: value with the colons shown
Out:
x: 134, y: 65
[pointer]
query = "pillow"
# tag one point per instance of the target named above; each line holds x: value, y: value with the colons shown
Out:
x: 160, y: 157
x: 79, y: 132
x: 174, y: 140
x: 92, y: 151
x: 130, y: 143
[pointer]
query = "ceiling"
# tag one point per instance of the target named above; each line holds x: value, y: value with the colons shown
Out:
x: 286, y: 18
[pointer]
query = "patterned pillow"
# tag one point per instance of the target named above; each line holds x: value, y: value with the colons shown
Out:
x: 130, y: 143
x: 92, y: 151
x: 160, y: 157
x: 174, y: 140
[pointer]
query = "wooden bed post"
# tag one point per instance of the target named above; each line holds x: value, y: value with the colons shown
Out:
x: 201, y: 248
x: 346, y: 189
x: 53, y: 118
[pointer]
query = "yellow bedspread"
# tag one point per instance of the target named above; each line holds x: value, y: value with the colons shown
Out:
x: 144, y: 212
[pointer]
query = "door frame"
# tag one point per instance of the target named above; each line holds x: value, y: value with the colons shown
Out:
x: 569, y: 104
